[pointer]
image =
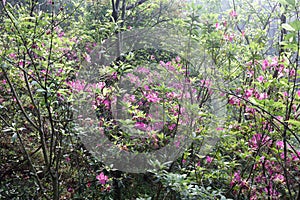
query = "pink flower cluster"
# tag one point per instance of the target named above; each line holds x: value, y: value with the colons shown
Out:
x: 102, y: 178
x: 81, y: 85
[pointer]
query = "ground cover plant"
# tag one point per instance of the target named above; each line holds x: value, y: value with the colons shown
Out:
x: 234, y: 83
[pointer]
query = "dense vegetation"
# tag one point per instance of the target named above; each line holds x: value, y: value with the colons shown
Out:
x: 140, y: 99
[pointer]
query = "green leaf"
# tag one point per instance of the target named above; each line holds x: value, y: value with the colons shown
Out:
x: 278, y: 105
x: 34, y: 83
x: 27, y: 18
x: 41, y: 90
x: 291, y: 2
x: 296, y: 25
x: 7, y: 130
x: 253, y: 101
x: 294, y: 122
x: 14, y: 137
x: 283, y: 2
x: 288, y: 27
x: 287, y: 2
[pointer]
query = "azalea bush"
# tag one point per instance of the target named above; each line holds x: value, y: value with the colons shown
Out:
x: 263, y: 101
x: 40, y: 147
x: 240, y: 100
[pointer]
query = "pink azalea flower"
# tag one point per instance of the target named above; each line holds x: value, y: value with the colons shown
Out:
x: 262, y: 96
x: 87, y: 57
x: 208, y: 159
x: 250, y: 73
x: 228, y: 37
x: 143, y: 70
x: 162, y: 63
x: 280, y: 118
x: 133, y: 78
x: 34, y: 46
x: 205, y: 83
x: 233, y: 13
x: 107, y: 103
x: 169, y: 66
x: 217, y: 25
x: 77, y: 85
x: 114, y: 76
x: 21, y: 63
x: 253, y: 196
x: 172, y: 126
x: 68, y: 159
x: 243, y: 33
x: 61, y: 34
x: 298, y: 93
x: 279, y: 178
x: 274, y: 62
x: 250, y: 110
x: 294, y: 107
x: 249, y: 93
x: 132, y: 98
x: 44, y: 72
x: 88, y: 49
x: 281, y: 68
x: 102, y: 178
x: 292, y: 72
x: 282, y: 156
x: 237, y: 177
x: 295, y: 157
x: 260, y: 79
x: 259, y: 140
x: 12, y: 55
x: 152, y: 97
x: 265, y: 64
x: 219, y: 129
x: 234, y: 101
x: 279, y: 144
x: 100, y: 85
x: 140, y: 125
x: 170, y: 95
x: 177, y: 143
